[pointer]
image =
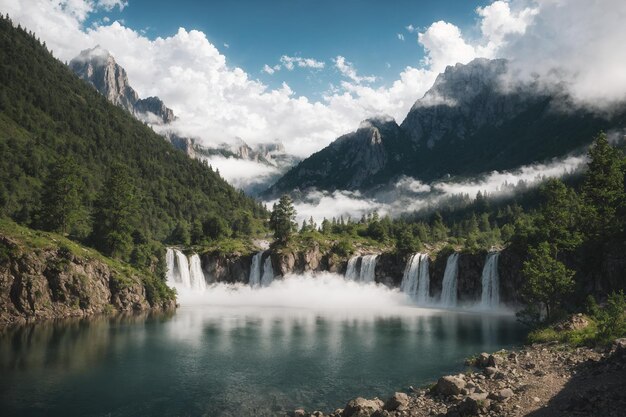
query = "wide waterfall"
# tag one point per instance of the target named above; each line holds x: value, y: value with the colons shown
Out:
x: 491, y: 282
x: 423, y: 282
x: 268, y: 272
x: 449, y: 285
x: 416, y: 278
x: 351, y: 272
x: 368, y: 268
x: 255, y: 270
x: 183, y: 272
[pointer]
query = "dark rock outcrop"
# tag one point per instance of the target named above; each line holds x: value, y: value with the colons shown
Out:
x: 229, y: 268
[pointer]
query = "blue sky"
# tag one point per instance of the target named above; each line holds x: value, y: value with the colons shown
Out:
x: 258, y: 32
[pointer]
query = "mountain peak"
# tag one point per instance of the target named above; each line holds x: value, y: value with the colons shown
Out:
x: 95, y: 54
x: 98, y: 67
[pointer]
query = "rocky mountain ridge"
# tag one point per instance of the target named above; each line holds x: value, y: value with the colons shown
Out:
x: 473, y: 120
x: 98, y: 67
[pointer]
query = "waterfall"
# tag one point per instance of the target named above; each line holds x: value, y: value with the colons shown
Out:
x: 423, y: 286
x: 198, y: 281
x: 183, y: 272
x: 170, y: 260
x: 255, y: 270
x: 184, y: 277
x: 416, y: 278
x: 368, y: 268
x: 268, y: 272
x: 351, y: 272
x: 491, y: 282
x: 449, y: 285
x: 410, y: 276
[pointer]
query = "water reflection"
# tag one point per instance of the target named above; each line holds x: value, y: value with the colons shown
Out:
x: 234, y: 361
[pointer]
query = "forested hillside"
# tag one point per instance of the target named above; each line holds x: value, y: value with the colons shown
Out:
x: 66, y: 154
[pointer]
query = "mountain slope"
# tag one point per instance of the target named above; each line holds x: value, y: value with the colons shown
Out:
x: 47, y: 112
x: 466, y: 124
x: 98, y: 68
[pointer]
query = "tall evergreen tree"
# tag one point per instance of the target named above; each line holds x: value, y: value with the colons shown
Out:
x: 62, y: 208
x: 603, y: 189
x: 282, y: 219
x: 116, y: 215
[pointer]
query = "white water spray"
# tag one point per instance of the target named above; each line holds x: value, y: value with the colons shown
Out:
x: 491, y: 282
x: 449, y: 285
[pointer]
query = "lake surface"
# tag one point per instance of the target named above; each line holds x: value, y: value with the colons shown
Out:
x: 243, y: 357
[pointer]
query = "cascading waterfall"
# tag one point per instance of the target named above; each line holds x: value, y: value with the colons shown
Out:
x: 411, y: 276
x: 268, y: 272
x: 416, y: 278
x: 182, y: 264
x: 423, y: 286
x: 449, y: 285
x: 198, y: 281
x: 170, y: 260
x: 255, y: 270
x: 491, y: 282
x: 368, y: 268
x: 351, y: 272
x: 183, y: 272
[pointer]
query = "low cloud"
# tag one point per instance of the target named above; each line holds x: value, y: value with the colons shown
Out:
x: 252, y: 177
x: 409, y: 195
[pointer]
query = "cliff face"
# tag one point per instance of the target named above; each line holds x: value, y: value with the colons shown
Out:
x: 55, y: 283
x: 229, y: 268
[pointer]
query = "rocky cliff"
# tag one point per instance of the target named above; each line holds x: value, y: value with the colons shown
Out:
x: 53, y: 282
x: 98, y: 67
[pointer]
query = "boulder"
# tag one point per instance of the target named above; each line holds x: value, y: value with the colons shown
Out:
x: 502, y: 395
x: 299, y: 413
x: 449, y: 385
x: 473, y: 405
x: 494, y: 361
x: 361, y: 407
x: 398, y: 401
x: 482, y: 360
x: 490, y: 371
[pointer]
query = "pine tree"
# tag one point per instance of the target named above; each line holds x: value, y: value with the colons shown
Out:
x: 116, y: 215
x: 62, y: 208
x: 548, y: 281
x: 282, y: 219
x: 603, y: 190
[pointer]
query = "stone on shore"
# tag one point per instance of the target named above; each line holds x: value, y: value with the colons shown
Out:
x: 361, y: 407
x: 450, y: 385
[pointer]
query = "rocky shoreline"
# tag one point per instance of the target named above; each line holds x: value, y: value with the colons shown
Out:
x: 542, y: 380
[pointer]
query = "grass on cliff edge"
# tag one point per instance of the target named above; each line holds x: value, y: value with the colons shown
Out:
x: 37, y: 240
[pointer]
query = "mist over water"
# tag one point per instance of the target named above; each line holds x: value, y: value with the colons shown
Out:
x: 312, y: 341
